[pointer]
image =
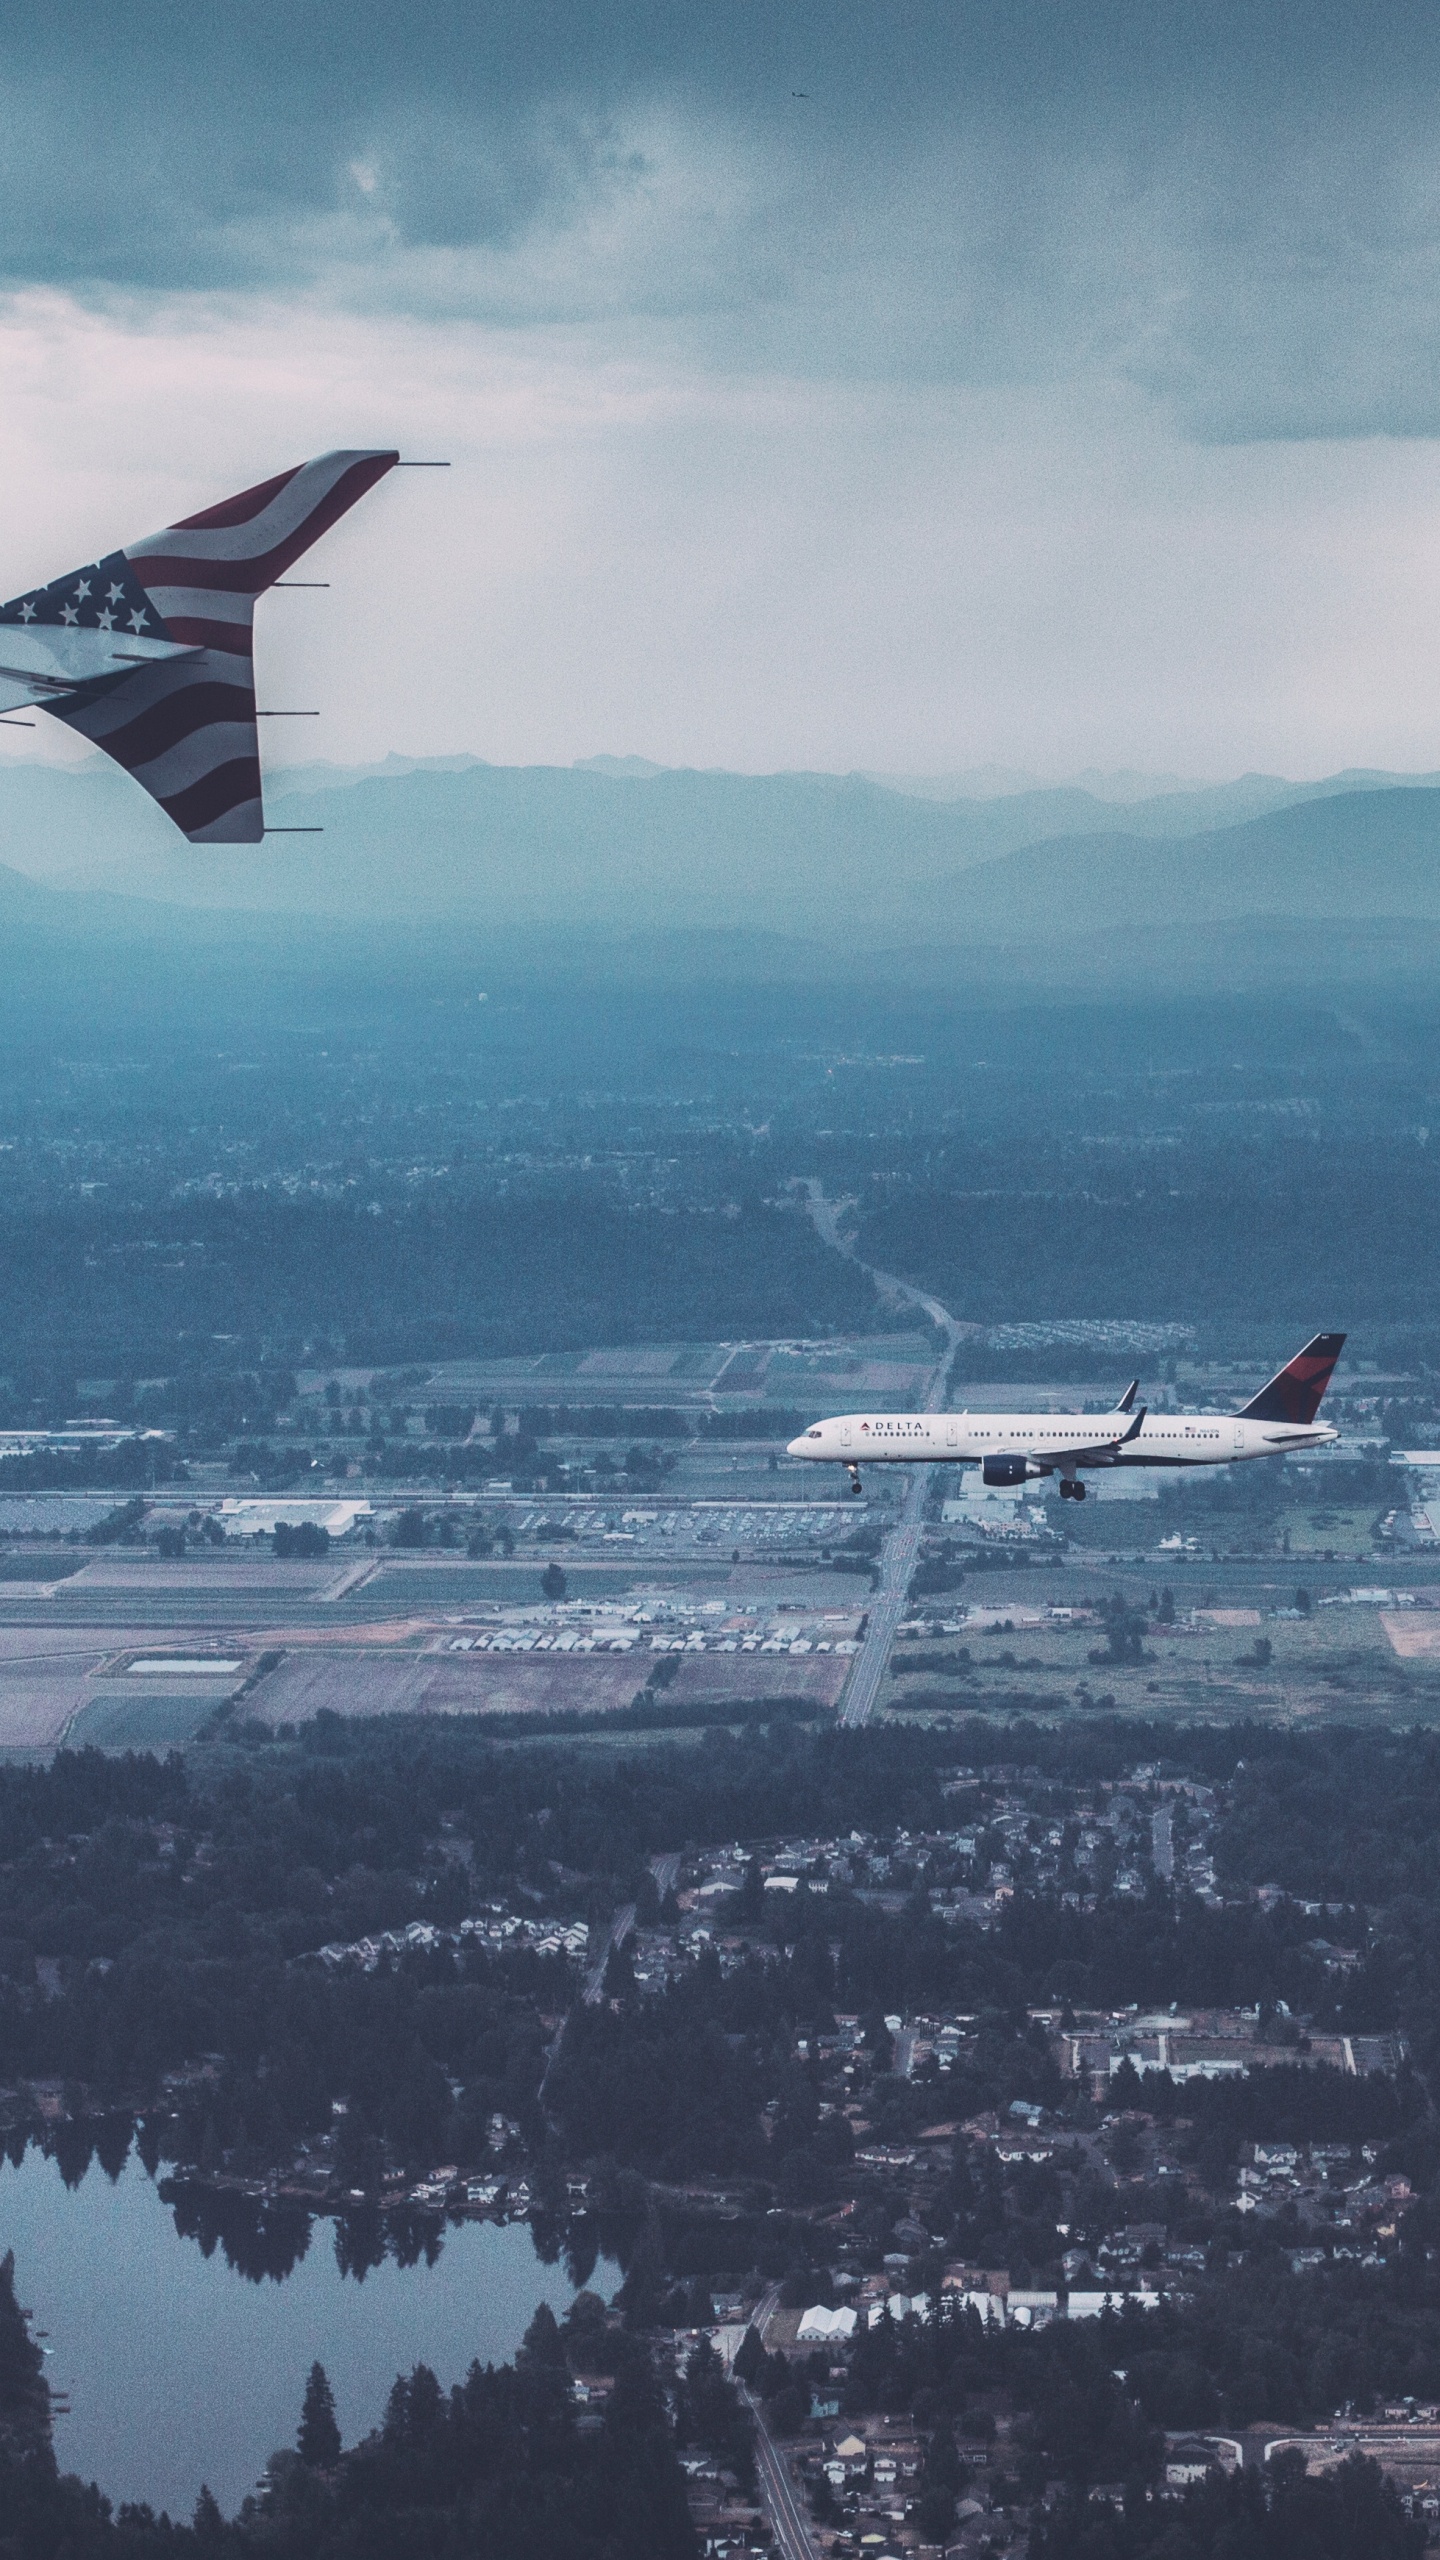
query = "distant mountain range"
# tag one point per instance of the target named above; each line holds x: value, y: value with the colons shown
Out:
x: 1359, y: 855
x: 802, y: 871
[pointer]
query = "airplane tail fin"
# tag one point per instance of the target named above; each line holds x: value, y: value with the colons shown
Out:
x: 1294, y: 1393
x: 184, y: 727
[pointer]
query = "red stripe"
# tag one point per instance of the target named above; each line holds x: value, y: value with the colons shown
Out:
x: 202, y: 802
x: 222, y: 577
x: 251, y: 577
x: 233, y: 637
x: 241, y: 510
x: 178, y: 715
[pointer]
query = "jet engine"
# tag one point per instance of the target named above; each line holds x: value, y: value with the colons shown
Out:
x: 1006, y: 1470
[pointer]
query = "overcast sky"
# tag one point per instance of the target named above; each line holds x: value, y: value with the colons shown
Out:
x: 1050, y: 386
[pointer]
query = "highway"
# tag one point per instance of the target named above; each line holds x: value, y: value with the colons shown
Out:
x: 887, y: 1608
x: 902, y: 1546
x: 825, y: 1216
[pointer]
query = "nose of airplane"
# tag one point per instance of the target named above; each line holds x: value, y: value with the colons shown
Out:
x: 795, y: 1448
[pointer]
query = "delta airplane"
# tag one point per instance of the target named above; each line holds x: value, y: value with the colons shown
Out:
x: 1011, y: 1447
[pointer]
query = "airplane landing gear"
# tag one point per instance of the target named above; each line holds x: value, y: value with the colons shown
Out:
x: 855, y: 1485
x: 1071, y: 1489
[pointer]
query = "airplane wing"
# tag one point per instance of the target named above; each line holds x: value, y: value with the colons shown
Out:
x: 148, y: 652
x: 1098, y: 1453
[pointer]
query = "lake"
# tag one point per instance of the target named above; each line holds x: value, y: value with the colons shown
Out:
x: 181, y: 2369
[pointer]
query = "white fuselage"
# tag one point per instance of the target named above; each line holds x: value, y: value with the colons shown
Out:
x: 1053, y: 1443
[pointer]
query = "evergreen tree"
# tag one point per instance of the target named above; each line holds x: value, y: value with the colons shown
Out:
x: 24, y: 2400
x: 542, y: 2344
x: 209, y: 2524
x: 318, y: 2440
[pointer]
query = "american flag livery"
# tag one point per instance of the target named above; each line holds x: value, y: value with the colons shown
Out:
x: 180, y: 716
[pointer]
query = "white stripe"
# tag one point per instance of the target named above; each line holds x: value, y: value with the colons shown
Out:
x: 285, y: 514
x: 201, y: 604
x: 196, y: 756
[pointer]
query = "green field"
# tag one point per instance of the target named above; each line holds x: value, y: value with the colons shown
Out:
x: 138, y: 1724
x: 1338, y: 1665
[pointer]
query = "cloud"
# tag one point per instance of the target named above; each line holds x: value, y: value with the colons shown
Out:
x: 1043, y: 386
x: 749, y: 570
x: 1244, y: 226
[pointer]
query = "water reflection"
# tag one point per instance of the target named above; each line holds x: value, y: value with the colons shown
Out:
x: 257, y: 2236
x: 179, y: 2373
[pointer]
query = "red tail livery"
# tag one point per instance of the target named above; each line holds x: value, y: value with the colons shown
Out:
x: 1294, y: 1393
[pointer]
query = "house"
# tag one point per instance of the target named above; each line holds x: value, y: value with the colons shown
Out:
x: 849, y: 2454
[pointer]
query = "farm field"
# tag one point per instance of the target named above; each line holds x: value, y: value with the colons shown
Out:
x: 409, y: 1683
x: 1337, y: 1665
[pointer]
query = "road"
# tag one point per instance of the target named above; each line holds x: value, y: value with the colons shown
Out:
x: 784, y: 2505
x: 825, y: 1217
x: 1162, y: 1843
x: 902, y: 1546
x: 615, y: 1936
x: 887, y: 1608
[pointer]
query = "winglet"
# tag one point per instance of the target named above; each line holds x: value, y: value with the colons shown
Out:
x: 1128, y: 1397
x: 1294, y: 1393
x: 1134, y: 1431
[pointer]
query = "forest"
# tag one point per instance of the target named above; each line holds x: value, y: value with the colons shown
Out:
x: 426, y: 1280
x: 178, y: 1905
x: 1055, y: 1230
x: 376, y: 1166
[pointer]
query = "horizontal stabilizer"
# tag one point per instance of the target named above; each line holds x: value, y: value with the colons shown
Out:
x: 1294, y: 1393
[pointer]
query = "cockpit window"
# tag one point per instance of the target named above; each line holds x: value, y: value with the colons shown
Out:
x: 814, y: 1434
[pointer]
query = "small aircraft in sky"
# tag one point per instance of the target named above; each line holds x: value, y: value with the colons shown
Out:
x: 1009, y: 1448
x: 148, y: 653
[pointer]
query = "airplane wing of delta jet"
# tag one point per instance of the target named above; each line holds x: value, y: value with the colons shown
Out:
x: 1098, y: 1451
x: 148, y: 652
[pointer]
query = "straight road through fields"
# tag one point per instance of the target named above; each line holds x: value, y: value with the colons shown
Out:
x: 897, y: 1556
x: 897, y: 1563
